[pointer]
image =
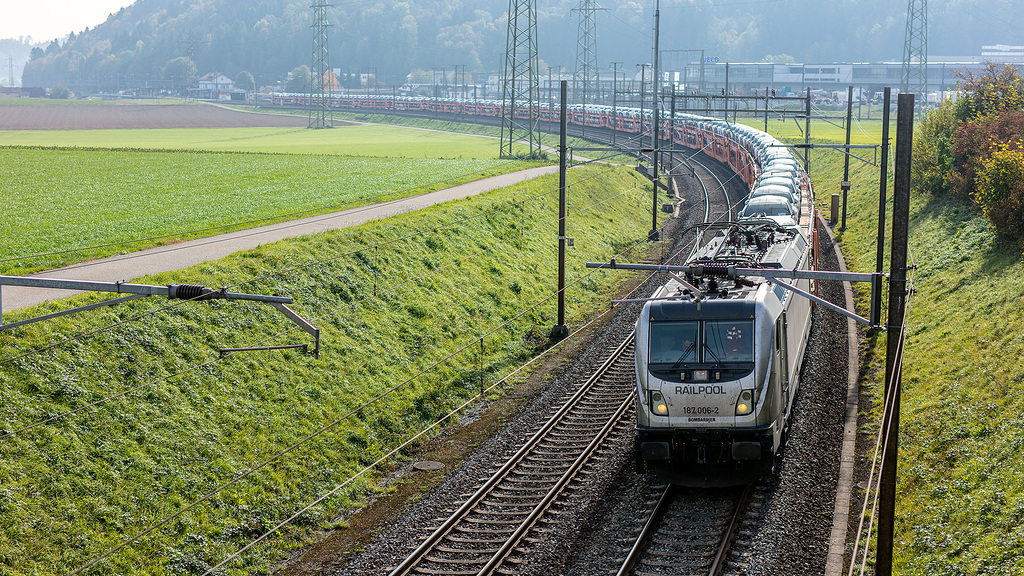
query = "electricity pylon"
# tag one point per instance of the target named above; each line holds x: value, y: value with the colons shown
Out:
x: 520, y: 90
x: 320, y: 115
x: 915, y: 51
x: 585, y: 84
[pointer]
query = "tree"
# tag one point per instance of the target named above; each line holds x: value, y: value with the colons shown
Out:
x: 245, y: 81
x: 60, y: 92
x: 36, y: 53
x: 299, y: 80
x: 180, y: 70
x: 993, y: 91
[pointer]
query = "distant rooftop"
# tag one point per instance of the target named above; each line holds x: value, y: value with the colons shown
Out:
x: 1002, y: 50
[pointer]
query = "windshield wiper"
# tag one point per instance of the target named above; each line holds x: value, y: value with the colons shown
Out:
x: 715, y: 356
x: 682, y: 356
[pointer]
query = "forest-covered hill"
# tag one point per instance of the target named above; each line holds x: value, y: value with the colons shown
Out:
x: 269, y: 38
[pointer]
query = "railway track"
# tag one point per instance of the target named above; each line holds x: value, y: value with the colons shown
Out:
x: 687, y: 533
x: 488, y: 532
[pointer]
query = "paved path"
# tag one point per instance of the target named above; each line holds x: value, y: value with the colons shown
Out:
x: 184, y: 254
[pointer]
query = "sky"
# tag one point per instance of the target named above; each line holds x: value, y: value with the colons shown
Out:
x: 45, y: 20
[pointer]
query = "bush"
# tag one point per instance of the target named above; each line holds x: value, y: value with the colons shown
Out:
x: 975, y: 141
x: 995, y: 90
x: 1000, y: 190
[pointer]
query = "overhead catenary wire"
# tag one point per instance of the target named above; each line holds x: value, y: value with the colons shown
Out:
x: 606, y: 201
x: 874, y: 482
x: 488, y: 333
x: 630, y: 248
x: 884, y: 431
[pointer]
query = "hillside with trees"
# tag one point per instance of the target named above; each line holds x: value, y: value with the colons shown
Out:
x: 270, y: 38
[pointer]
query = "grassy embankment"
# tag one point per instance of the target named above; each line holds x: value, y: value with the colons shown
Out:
x: 961, y: 492
x: 76, y: 487
x: 63, y: 198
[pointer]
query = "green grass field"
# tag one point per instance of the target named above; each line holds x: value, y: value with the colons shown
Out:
x: 68, y: 199
x: 360, y: 140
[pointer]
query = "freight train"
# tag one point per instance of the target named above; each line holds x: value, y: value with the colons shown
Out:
x: 717, y: 353
x: 724, y: 141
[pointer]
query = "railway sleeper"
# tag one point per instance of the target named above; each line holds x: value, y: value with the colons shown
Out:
x: 504, y: 505
x: 642, y: 573
x: 499, y: 513
x: 430, y: 572
x: 479, y: 530
x: 675, y: 565
x: 461, y: 561
x: 462, y: 540
x: 679, y: 554
x: 490, y: 522
x: 661, y: 540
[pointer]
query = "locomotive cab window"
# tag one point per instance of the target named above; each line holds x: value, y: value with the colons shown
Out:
x: 673, y: 342
x: 729, y: 341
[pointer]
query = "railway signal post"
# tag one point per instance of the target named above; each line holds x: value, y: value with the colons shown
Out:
x: 560, y: 330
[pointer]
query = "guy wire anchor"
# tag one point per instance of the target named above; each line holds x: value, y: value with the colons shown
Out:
x: 171, y: 291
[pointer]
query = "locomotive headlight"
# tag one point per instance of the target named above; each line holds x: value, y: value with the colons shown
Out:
x: 658, y: 404
x: 745, y: 403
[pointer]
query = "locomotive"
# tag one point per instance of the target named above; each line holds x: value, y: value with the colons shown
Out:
x: 718, y: 358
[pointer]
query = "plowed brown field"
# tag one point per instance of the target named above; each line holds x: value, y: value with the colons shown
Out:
x: 146, y: 116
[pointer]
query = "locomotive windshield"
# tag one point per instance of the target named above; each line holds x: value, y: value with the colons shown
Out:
x: 729, y: 340
x: 708, y: 341
x: 673, y: 342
